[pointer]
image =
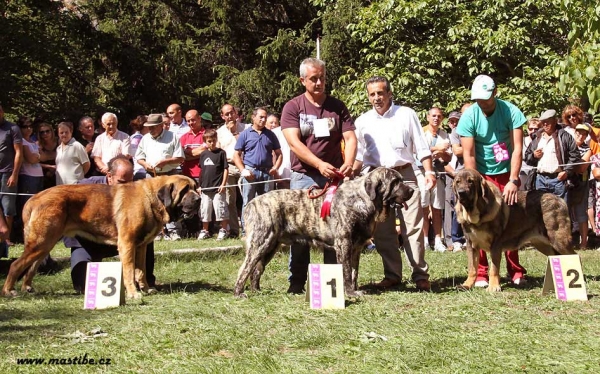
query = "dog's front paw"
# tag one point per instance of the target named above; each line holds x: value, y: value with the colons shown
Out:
x: 152, y: 291
x: 494, y: 288
x: 240, y: 295
x: 27, y: 289
x: 10, y: 293
x: 135, y: 296
x: 355, y: 293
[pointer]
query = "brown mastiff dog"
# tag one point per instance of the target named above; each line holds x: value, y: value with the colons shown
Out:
x: 288, y: 216
x: 538, y: 218
x: 126, y: 215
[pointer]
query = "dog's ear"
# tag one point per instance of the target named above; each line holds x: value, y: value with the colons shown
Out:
x: 371, y: 187
x: 486, y: 193
x: 165, y: 194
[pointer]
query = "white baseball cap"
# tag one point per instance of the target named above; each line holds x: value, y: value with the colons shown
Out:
x: 483, y: 87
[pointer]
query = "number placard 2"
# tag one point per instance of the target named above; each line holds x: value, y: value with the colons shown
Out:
x: 565, y: 276
x: 325, y: 286
x: 104, y: 285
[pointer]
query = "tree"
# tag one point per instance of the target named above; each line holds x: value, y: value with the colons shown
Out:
x: 579, y: 70
x: 432, y: 50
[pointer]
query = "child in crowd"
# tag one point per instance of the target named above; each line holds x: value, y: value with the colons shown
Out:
x: 213, y: 179
x: 72, y: 161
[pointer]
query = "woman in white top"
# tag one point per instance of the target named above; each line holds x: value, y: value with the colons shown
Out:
x: 31, y: 175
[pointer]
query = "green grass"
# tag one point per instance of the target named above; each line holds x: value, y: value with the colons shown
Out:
x: 195, y: 325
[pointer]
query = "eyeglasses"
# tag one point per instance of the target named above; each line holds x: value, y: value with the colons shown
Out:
x: 45, y: 132
x: 571, y: 115
x: 26, y: 127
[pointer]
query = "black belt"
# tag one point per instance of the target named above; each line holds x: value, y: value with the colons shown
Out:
x: 264, y: 170
x: 550, y: 175
x: 165, y: 173
x: 402, y: 167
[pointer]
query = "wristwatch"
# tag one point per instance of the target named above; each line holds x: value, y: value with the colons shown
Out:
x: 516, y: 182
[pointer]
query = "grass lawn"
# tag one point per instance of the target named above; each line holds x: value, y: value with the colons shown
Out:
x: 195, y: 325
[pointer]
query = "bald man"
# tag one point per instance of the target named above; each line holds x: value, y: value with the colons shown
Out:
x: 178, y: 125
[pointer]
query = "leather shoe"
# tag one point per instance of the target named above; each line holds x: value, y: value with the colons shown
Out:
x: 423, y: 285
x: 387, y: 283
x: 296, y: 288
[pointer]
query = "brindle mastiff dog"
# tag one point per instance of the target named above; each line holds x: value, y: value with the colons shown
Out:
x: 288, y: 216
x: 126, y: 215
x: 539, y: 219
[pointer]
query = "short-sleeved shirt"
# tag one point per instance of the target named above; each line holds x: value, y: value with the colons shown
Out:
x: 179, y: 129
x: 213, y: 164
x: 154, y: 150
x: 490, y: 133
x: 10, y: 134
x: 191, y: 168
x: 257, y: 147
x: 35, y: 169
x: 69, y: 162
x: 108, y: 147
x: 300, y: 113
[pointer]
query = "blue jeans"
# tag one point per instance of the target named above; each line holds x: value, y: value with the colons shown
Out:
x: 250, y: 191
x: 9, y: 202
x: 300, y: 253
x: 552, y: 185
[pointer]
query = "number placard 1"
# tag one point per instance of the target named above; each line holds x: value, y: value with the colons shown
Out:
x: 104, y: 285
x: 565, y: 276
x: 325, y: 286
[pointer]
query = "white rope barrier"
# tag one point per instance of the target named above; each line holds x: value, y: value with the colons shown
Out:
x: 240, y: 184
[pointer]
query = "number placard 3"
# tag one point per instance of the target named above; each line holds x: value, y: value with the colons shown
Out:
x: 325, y: 286
x: 565, y: 276
x: 104, y: 285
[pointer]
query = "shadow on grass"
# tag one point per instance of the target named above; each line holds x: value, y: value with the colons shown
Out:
x: 193, y: 287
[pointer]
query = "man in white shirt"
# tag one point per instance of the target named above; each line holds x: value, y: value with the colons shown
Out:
x: 160, y: 153
x: 178, y: 125
x: 387, y: 136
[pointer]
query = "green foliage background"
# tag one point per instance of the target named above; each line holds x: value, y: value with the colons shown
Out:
x: 65, y: 59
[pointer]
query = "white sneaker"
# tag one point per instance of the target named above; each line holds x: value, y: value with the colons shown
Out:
x: 481, y: 284
x: 439, y: 247
x: 174, y: 236
x: 457, y: 247
x: 223, y: 234
x: 519, y: 281
x: 158, y: 237
x: 203, y: 235
x: 427, y: 246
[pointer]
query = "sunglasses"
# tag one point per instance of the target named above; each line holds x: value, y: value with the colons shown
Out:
x: 45, y: 132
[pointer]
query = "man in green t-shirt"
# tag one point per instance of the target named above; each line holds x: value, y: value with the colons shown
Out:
x: 492, y: 141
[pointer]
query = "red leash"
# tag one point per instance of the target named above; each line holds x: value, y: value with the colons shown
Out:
x: 330, y: 188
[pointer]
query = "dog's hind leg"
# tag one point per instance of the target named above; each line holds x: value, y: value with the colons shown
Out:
x: 261, y: 265
x: 34, y: 252
x: 562, y: 244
